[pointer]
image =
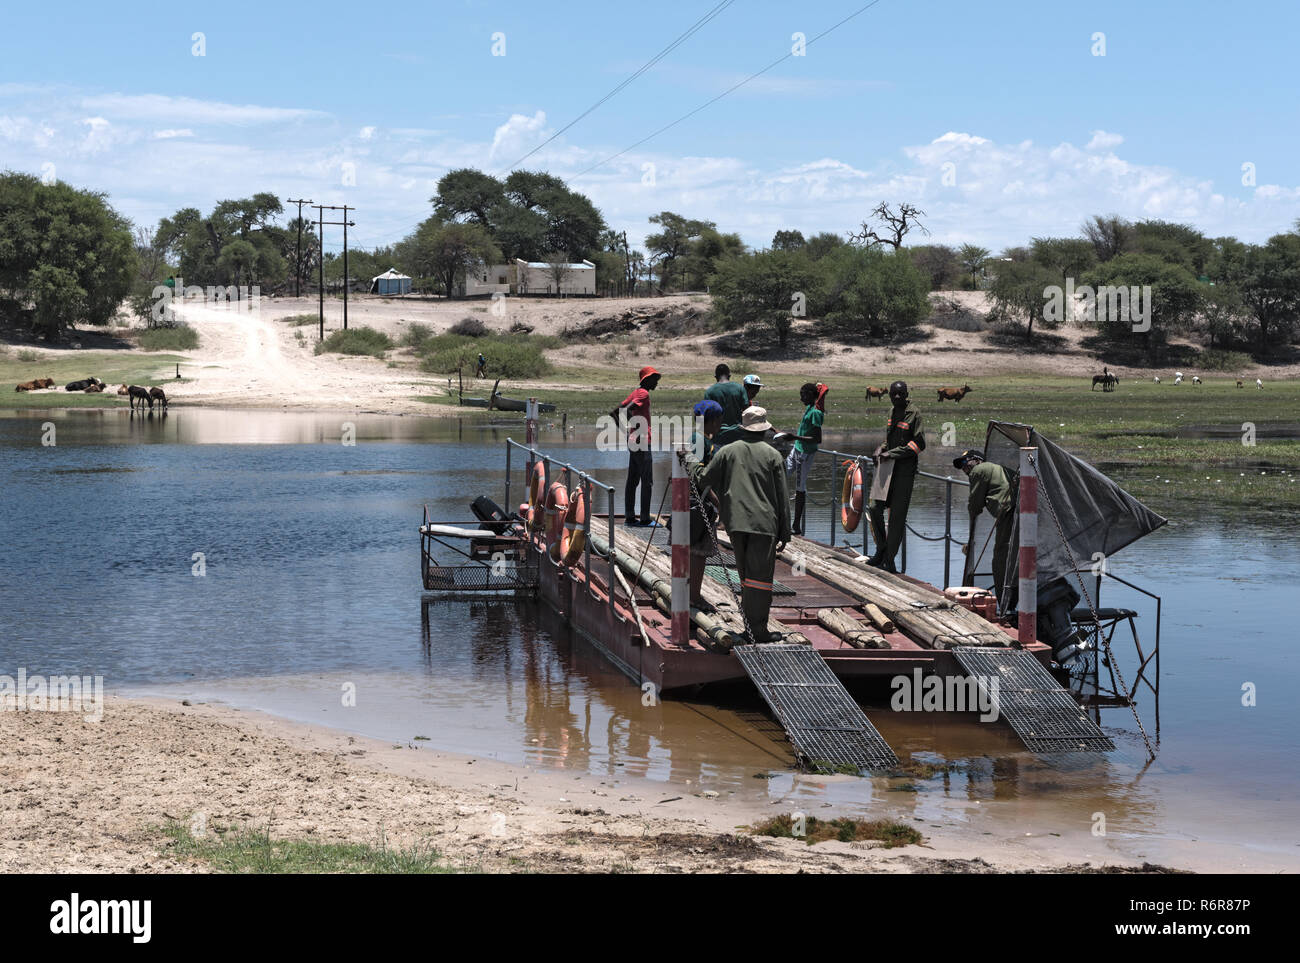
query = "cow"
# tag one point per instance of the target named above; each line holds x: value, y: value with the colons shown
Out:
x: 1239, y: 384
x: 1157, y: 379
x: 31, y: 385
x: 955, y: 394
x: 1196, y: 379
x: 158, y: 395
x: 1259, y: 384
x: 44, y: 382
x: 873, y: 392
x: 93, y: 389
x: 81, y: 385
x: 140, y: 394
x: 122, y: 390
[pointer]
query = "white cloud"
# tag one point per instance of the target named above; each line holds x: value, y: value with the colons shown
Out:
x: 172, y: 132
x: 367, y: 133
x: 156, y: 107
x: 517, y: 135
x: 1101, y: 140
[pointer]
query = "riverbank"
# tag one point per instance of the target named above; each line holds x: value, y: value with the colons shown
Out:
x: 131, y: 792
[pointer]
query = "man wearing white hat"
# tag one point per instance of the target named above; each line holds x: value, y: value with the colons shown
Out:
x: 749, y: 477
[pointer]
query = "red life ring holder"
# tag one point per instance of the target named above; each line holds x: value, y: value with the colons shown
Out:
x: 573, y: 535
x: 554, y: 510
x: 851, y: 496
x: 536, y: 496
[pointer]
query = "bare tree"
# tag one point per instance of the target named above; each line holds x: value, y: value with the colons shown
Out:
x: 894, y: 226
x: 1110, y: 235
x: 559, y: 271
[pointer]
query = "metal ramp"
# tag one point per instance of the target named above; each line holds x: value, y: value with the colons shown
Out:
x: 1044, y: 715
x: 828, y: 729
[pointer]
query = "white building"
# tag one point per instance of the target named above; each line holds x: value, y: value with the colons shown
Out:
x: 540, y: 277
x: 486, y: 280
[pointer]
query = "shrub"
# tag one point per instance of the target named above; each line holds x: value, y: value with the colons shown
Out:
x: 416, y: 336
x: 28, y: 355
x: 360, y: 341
x: 299, y: 320
x: 180, y: 338
x: 470, y: 328
x: 1216, y: 359
x: 507, y: 356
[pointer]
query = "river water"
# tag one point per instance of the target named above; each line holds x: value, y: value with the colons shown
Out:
x: 253, y: 558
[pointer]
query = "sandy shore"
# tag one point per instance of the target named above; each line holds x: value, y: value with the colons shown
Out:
x: 84, y: 796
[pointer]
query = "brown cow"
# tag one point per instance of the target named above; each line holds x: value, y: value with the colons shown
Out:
x: 955, y: 394
x: 45, y: 382
x: 873, y: 392
x: 94, y: 389
x: 122, y: 390
x: 27, y: 386
x: 158, y: 395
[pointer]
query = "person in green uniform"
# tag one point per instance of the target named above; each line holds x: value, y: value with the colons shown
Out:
x: 704, y: 511
x: 807, y: 438
x: 732, y: 398
x: 749, y: 476
x: 904, y: 442
x: 990, y: 488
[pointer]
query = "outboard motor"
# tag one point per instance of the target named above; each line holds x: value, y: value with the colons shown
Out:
x: 492, y: 516
x: 1056, y: 600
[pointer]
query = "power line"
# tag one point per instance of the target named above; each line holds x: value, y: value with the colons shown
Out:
x: 714, y: 100
x: 682, y: 38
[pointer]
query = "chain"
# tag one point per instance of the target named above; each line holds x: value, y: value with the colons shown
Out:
x: 1096, y: 617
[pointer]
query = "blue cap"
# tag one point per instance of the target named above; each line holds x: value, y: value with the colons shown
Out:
x: 707, y: 407
x: 753, y: 379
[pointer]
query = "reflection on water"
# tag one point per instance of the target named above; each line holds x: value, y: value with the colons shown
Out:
x: 310, y: 581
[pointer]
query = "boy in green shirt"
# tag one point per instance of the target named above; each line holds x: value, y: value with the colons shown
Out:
x: 732, y: 398
x: 807, y: 439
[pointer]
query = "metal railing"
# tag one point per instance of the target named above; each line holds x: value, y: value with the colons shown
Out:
x: 868, y: 469
x: 588, y: 482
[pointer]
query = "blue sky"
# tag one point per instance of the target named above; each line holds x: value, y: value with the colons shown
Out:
x: 998, y: 120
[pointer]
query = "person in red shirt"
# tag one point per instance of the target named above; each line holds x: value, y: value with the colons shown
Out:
x: 640, y: 466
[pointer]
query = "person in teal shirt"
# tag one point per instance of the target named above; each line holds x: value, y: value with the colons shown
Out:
x: 807, y: 439
x: 732, y: 398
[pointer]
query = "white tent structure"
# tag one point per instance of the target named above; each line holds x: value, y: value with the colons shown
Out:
x: 390, y: 282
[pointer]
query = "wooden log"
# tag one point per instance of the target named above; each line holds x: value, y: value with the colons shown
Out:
x: 852, y: 631
x: 878, y: 618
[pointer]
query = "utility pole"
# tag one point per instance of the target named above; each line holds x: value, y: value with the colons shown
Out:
x: 345, y: 224
x: 297, y: 265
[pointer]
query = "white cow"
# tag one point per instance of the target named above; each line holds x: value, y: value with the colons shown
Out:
x: 1196, y: 379
x: 1157, y: 379
x: 1259, y: 384
x: 1178, y: 378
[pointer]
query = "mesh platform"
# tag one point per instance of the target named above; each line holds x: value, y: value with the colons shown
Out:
x: 828, y: 729
x: 1044, y: 715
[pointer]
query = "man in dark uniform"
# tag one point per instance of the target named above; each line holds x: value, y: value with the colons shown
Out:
x: 904, y: 442
x: 990, y: 487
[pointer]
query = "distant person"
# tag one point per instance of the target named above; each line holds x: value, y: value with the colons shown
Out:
x: 732, y: 398
x: 904, y: 442
x: 990, y: 488
x: 753, y: 384
x: 482, y: 366
x: 704, y: 511
x: 640, y: 465
x: 749, y: 477
x: 806, y: 441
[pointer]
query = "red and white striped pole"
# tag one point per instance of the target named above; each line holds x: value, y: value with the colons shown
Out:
x: 681, y: 594
x: 1028, y: 596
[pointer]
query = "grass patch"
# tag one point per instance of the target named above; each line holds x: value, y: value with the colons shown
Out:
x: 180, y: 338
x: 416, y: 336
x: 358, y: 341
x: 516, y: 357
x: 111, y: 367
x: 846, y: 830
x: 300, y: 320
x: 254, y: 851
x: 1216, y: 359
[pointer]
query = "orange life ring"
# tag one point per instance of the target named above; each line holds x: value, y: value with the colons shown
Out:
x: 851, y: 496
x: 556, y: 507
x: 536, y: 496
x: 573, y: 536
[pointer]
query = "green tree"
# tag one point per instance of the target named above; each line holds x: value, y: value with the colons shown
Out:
x: 65, y: 254
x: 973, y: 258
x: 673, y: 242
x: 444, y: 251
x: 938, y: 262
x: 1268, y: 278
x: 1110, y: 235
x: 1066, y: 257
x: 1176, y: 243
x: 788, y: 241
x: 873, y: 292
x: 197, y: 242
x: 1018, y: 293
x: 1175, y: 298
x: 764, y: 288
x: 820, y: 245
